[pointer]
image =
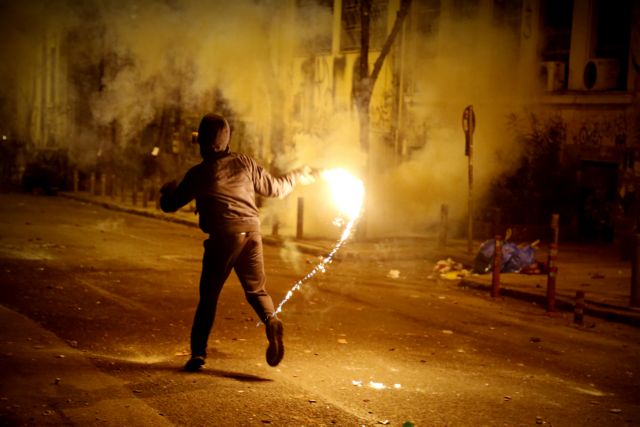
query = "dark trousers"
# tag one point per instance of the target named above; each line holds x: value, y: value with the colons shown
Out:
x: 222, y: 253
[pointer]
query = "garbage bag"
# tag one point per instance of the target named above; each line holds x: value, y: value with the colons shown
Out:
x: 514, y: 257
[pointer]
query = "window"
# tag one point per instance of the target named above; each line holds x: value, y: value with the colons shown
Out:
x: 556, y: 21
x: 612, y: 28
x: 350, y: 34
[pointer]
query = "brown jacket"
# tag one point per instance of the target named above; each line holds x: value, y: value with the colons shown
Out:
x: 225, y: 189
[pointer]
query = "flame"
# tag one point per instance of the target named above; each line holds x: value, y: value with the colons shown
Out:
x: 347, y: 191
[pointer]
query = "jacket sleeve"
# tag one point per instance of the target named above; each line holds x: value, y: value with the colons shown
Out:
x: 174, y: 196
x: 268, y: 185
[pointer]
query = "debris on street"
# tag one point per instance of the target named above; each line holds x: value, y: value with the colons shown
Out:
x: 450, y: 269
x: 393, y: 274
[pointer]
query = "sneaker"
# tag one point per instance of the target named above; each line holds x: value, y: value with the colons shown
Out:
x: 275, y: 351
x: 194, y: 364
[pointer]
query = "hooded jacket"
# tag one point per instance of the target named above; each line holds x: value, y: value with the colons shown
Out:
x: 225, y: 184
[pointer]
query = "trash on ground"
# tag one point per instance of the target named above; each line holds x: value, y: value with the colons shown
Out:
x: 393, y: 274
x: 515, y: 258
x: 450, y: 269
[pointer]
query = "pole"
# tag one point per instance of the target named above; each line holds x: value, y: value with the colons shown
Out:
x: 145, y: 192
x: 555, y: 227
x: 634, y: 300
x: 551, y: 278
x: 497, y: 267
x: 468, y: 126
x: 300, y: 222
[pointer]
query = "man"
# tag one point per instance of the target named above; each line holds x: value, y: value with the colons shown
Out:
x: 224, y: 186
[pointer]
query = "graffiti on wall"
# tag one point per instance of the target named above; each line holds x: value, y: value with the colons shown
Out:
x: 602, y: 132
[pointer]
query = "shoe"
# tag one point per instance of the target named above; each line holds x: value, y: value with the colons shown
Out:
x: 194, y: 364
x: 275, y: 351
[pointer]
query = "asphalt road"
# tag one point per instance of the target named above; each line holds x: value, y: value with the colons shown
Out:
x: 119, y: 292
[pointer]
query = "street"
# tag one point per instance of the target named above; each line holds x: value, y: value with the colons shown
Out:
x: 118, y: 292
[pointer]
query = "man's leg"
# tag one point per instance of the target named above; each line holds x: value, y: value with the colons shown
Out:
x: 216, y: 266
x: 249, y: 267
x: 250, y: 270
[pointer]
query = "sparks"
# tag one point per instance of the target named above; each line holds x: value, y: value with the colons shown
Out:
x: 348, y: 194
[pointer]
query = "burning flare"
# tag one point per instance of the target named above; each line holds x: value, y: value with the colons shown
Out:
x: 347, y: 191
x: 348, y: 195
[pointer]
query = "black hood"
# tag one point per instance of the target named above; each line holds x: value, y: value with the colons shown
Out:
x: 213, y: 135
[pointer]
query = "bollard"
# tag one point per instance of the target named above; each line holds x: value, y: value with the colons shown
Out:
x: 555, y: 227
x: 275, y: 228
x: 444, y: 225
x: 145, y: 192
x: 92, y: 183
x: 497, y: 267
x: 76, y: 180
x: 300, y: 222
x: 634, y: 299
x: 552, y: 272
x: 578, y: 309
x: 103, y: 184
x: 156, y: 188
x: 123, y: 197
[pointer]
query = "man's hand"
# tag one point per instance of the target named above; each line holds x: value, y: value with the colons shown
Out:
x: 307, y: 175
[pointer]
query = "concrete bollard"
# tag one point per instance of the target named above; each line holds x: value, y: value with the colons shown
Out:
x: 578, y: 309
x: 497, y: 267
x: 634, y: 299
x: 444, y: 225
x: 300, y: 221
x: 552, y: 272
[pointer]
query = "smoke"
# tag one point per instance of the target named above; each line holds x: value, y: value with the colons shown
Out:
x: 472, y: 62
x: 187, y: 54
x: 180, y: 52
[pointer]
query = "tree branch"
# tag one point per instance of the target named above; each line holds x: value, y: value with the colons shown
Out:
x: 401, y: 15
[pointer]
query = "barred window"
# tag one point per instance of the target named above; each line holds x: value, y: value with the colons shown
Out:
x: 351, y: 28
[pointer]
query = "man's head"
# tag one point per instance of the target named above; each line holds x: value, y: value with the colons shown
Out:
x: 213, y: 135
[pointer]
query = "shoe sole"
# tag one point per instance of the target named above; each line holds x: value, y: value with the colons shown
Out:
x: 275, y: 351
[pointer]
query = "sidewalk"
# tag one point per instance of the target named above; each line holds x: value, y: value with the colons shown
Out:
x: 595, y: 270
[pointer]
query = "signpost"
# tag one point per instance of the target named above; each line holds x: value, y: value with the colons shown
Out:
x: 468, y: 126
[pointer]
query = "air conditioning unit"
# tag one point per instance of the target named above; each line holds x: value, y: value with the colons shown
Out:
x: 601, y: 74
x: 552, y: 75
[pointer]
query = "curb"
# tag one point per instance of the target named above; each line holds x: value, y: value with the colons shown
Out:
x: 592, y: 308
